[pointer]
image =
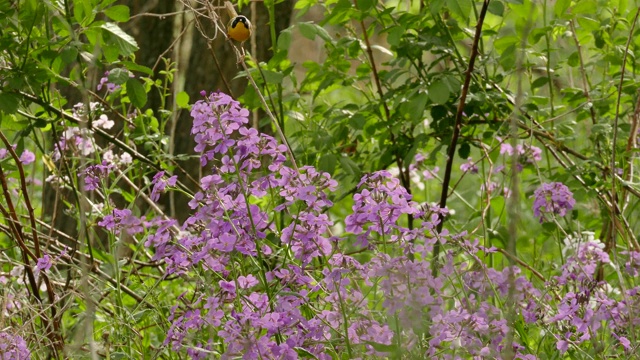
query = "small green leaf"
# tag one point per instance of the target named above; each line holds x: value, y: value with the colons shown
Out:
x: 272, y: 77
x: 365, y: 5
x: 308, y: 30
x: 136, y: 93
x: 10, y: 122
x: 539, y: 82
x: 464, y: 150
x: 327, y: 163
x: 574, y: 59
x: 435, y: 6
x: 496, y: 8
x: 584, y: 7
x: 462, y: 8
x: 135, y: 67
x: 69, y: 54
x: 395, y: 35
x: 119, y: 13
x: 284, y: 40
x: 349, y: 166
x: 182, y: 100
x: 589, y: 24
x: 126, y: 43
x: 560, y: 8
x: 439, y: 92
x: 304, y: 353
x: 9, y: 103
x: 118, y: 76
x: 416, y: 107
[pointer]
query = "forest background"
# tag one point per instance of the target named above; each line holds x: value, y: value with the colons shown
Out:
x: 359, y: 179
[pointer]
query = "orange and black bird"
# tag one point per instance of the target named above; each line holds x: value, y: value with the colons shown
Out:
x: 239, y: 27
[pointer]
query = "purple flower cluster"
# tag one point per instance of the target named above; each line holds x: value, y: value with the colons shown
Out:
x: 470, y: 166
x: 378, y: 206
x: 93, y: 174
x: 123, y: 219
x: 280, y: 284
x: 552, y: 198
x: 13, y: 347
x: 527, y: 153
x: 160, y: 184
x: 589, y: 304
x: 228, y: 226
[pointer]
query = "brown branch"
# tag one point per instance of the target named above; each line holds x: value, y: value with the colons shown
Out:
x: 456, y: 130
x: 54, y: 334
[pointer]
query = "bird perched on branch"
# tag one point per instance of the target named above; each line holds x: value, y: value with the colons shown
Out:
x: 239, y: 27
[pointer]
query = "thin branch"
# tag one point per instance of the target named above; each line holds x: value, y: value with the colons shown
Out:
x: 456, y: 130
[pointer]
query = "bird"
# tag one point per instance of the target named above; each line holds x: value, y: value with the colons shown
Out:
x: 239, y: 28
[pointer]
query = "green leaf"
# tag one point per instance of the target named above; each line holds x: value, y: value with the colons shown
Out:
x: 584, y: 7
x: 539, y: 82
x: 439, y: 92
x: 304, y: 353
x: 435, y: 6
x: 135, y: 67
x: 395, y: 35
x: 365, y: 5
x: 118, y: 76
x: 508, y: 57
x: 496, y: 8
x: 574, y: 59
x: 327, y: 163
x: 272, y: 77
x: 113, y: 34
x: 308, y: 30
x: 311, y: 30
x: 464, y: 150
x: 119, y: 13
x: 9, y: 103
x: 10, y: 122
x: 182, y: 100
x: 462, y: 8
x: 69, y: 54
x: 560, y: 8
x: 136, y: 93
x: 589, y: 24
x: 349, y: 166
x: 284, y: 40
x: 417, y: 104
x: 83, y: 12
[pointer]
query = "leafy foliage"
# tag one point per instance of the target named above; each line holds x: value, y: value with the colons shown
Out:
x: 454, y: 179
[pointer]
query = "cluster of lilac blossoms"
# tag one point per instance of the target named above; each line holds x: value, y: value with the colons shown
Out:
x: 77, y: 142
x: 13, y: 347
x: 552, y: 198
x: 280, y: 284
x: 231, y: 225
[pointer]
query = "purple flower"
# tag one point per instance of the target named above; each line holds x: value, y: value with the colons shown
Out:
x: 430, y: 174
x: 552, y: 198
x: 160, y: 184
x: 246, y: 282
x: 13, y: 347
x: 44, y: 263
x: 27, y: 157
x: 122, y: 220
x: 469, y: 166
x: 93, y: 174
